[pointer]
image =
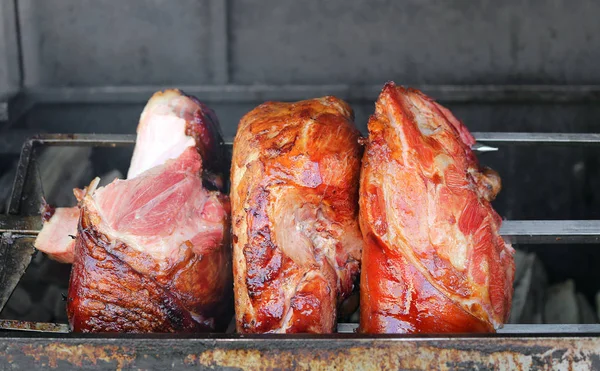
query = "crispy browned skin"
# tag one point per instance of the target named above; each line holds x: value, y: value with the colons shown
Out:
x: 125, y: 290
x: 433, y: 260
x: 297, y: 243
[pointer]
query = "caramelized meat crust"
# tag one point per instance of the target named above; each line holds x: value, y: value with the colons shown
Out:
x: 152, y: 254
x: 433, y: 260
x: 294, y: 194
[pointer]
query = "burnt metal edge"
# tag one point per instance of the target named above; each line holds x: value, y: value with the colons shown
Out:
x: 346, y: 351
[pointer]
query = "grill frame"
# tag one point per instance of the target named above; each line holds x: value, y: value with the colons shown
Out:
x: 515, y: 345
x: 339, y: 351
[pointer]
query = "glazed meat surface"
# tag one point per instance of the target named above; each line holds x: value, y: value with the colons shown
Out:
x: 294, y: 193
x: 152, y: 252
x: 433, y: 259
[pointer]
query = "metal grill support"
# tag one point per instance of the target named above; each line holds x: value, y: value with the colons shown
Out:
x: 515, y: 345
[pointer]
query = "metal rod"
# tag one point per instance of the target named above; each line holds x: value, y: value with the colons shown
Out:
x: 21, y: 225
x: 514, y: 231
x: 9, y: 324
x: 219, y: 42
x: 551, y: 231
x: 538, y: 138
x: 342, y: 328
x: 483, y: 138
x: 348, y: 328
x: 97, y: 140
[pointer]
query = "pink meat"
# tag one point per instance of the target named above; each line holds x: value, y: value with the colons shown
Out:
x: 170, y: 123
x: 57, y: 237
x: 161, y: 209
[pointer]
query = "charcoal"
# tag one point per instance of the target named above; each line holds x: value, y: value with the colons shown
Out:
x: 8, y: 314
x: 61, y: 170
x: 54, y: 302
x: 530, y: 285
x: 586, y: 311
x: 6, y: 184
x: 37, y: 314
x: 355, y: 317
x: 20, y: 301
x: 598, y: 304
x: 53, y: 272
x: 561, y: 304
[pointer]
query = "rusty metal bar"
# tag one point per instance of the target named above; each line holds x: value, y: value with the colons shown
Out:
x: 16, y: 325
x: 591, y: 328
x: 341, y: 351
x: 21, y: 225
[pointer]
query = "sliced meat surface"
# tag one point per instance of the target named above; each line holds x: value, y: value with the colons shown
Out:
x: 170, y: 123
x: 434, y: 260
x: 57, y: 237
x: 294, y: 192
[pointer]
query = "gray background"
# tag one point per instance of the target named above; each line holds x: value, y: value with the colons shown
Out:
x: 147, y: 42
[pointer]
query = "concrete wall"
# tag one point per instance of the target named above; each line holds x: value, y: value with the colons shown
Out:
x: 90, y: 42
x: 9, y: 57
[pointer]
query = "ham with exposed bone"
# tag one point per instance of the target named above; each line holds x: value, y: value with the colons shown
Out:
x: 152, y: 253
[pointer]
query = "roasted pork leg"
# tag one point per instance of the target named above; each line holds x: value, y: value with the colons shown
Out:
x: 294, y: 193
x: 170, y: 122
x: 433, y: 259
x: 152, y: 252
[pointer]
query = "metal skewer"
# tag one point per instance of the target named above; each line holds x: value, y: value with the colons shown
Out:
x: 538, y: 138
x: 481, y: 137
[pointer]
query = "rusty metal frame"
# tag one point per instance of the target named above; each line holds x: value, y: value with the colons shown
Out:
x: 513, y: 348
x: 21, y: 224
